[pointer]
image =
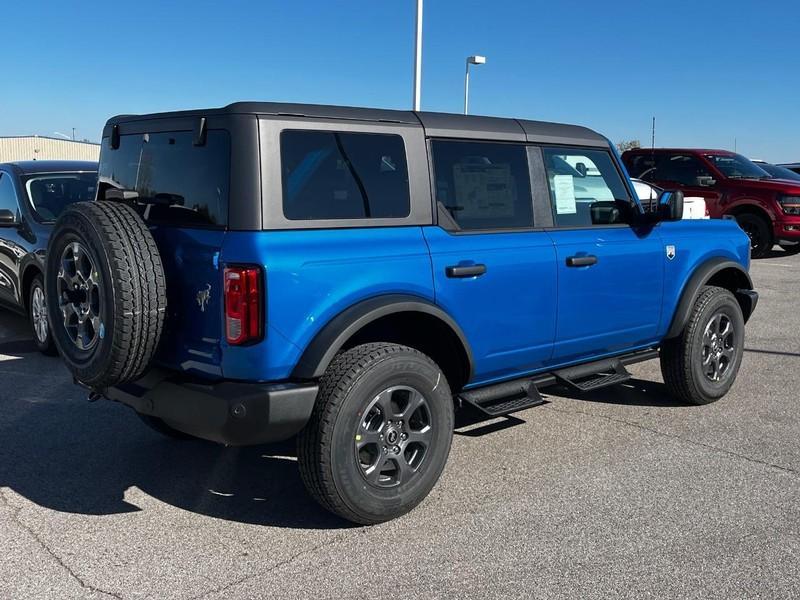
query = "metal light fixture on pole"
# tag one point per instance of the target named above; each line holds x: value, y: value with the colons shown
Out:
x: 418, y: 58
x: 471, y: 60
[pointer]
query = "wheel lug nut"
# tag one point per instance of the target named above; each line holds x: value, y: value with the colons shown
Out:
x: 404, y: 436
x: 396, y: 449
x: 385, y: 450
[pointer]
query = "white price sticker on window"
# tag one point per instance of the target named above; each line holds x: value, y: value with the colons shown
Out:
x: 564, y: 190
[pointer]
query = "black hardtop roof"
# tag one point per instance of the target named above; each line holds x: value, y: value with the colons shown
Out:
x: 435, y: 124
x: 28, y: 167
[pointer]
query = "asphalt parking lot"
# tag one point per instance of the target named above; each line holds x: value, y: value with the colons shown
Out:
x: 620, y: 493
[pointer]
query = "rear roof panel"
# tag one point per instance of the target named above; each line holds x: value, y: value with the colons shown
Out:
x: 435, y: 124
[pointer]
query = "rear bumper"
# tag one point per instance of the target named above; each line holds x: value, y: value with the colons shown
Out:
x: 228, y: 412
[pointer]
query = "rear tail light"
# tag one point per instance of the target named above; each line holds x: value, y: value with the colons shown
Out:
x: 243, y: 302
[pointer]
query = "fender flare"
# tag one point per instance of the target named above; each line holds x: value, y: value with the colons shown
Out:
x: 698, y: 279
x: 334, y: 335
x: 28, y: 264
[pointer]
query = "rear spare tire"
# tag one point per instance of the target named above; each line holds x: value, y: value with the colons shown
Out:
x: 105, y: 291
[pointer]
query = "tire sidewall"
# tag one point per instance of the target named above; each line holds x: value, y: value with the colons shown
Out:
x: 726, y: 304
x: 85, y: 365
x: 379, y: 504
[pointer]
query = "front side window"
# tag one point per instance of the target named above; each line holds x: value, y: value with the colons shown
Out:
x: 8, y: 197
x: 483, y: 185
x: 177, y: 182
x: 584, y: 195
x: 51, y: 193
x: 343, y: 175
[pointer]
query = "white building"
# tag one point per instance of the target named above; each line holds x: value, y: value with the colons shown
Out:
x: 36, y: 147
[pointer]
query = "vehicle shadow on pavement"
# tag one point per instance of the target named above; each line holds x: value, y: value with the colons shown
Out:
x: 64, y: 453
x: 778, y: 253
x: 772, y: 352
x: 634, y: 392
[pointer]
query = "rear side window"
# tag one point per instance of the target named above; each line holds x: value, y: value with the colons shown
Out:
x: 8, y: 197
x: 641, y: 166
x: 343, y: 175
x: 682, y: 169
x: 178, y: 183
x: 483, y: 185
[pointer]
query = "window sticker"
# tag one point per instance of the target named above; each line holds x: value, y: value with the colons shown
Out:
x: 484, y: 190
x: 564, y: 190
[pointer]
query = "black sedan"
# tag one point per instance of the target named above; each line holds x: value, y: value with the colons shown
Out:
x: 32, y: 195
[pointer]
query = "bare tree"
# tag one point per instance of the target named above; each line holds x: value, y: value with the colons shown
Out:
x: 628, y: 145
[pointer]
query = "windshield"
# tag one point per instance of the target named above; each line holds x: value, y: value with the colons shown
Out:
x: 780, y: 172
x: 50, y: 193
x: 737, y: 166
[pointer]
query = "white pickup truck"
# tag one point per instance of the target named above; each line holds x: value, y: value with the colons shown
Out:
x: 694, y: 207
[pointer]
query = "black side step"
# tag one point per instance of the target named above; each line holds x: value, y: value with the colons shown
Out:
x: 504, y: 398
x: 594, y: 375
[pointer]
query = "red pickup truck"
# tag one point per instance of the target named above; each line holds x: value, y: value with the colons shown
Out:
x: 766, y: 208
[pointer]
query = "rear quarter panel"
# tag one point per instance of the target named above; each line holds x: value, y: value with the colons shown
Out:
x: 313, y: 275
x: 696, y: 241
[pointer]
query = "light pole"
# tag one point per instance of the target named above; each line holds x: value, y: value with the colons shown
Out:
x: 418, y: 58
x: 471, y: 60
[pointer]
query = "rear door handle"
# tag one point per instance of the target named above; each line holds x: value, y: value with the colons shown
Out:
x: 582, y: 261
x: 465, y: 271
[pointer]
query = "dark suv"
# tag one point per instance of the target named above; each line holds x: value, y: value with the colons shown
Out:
x: 32, y: 196
x: 766, y: 208
x: 351, y: 275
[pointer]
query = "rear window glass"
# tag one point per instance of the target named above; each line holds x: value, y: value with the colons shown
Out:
x: 340, y: 175
x: 51, y: 193
x: 178, y: 183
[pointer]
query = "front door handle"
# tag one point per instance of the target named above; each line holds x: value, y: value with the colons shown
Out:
x: 582, y: 261
x: 465, y: 270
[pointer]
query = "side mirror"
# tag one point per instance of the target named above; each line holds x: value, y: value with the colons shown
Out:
x: 670, y: 205
x: 705, y: 180
x: 8, y: 218
x: 581, y: 169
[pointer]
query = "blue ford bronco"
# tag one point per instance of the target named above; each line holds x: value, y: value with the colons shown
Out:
x: 351, y: 276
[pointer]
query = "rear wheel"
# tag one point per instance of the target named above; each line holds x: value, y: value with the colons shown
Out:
x: 380, y: 433
x: 37, y: 316
x: 700, y: 365
x: 758, y: 230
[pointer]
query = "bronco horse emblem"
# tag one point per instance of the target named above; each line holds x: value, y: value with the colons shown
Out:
x: 203, y: 296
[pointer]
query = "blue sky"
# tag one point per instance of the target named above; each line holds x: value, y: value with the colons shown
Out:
x: 709, y: 71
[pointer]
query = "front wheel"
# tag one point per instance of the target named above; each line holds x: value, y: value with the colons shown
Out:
x: 700, y: 365
x: 380, y: 433
x: 759, y: 232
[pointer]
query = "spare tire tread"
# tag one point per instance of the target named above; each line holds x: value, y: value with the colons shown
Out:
x: 146, y: 293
